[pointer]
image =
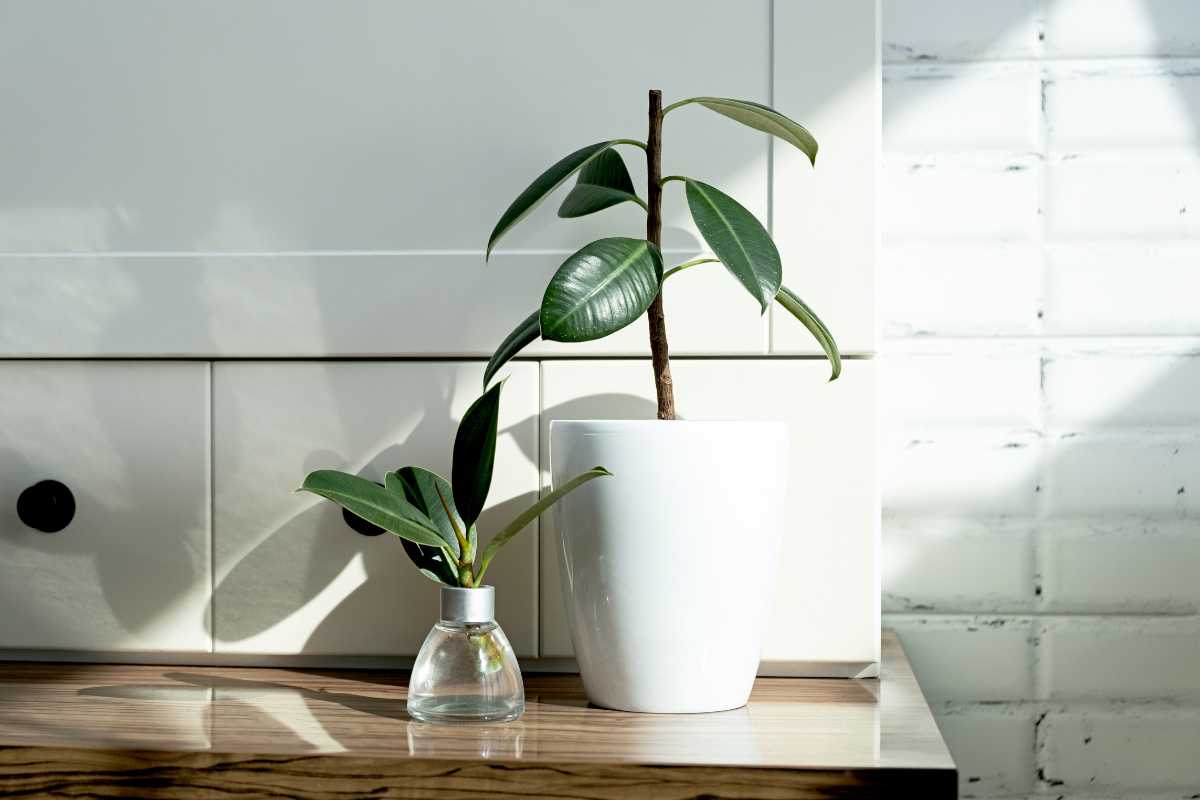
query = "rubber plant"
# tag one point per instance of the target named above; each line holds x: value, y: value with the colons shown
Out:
x: 435, y: 519
x: 611, y: 282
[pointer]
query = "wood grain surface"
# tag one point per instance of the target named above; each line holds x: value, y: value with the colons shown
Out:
x: 135, y: 731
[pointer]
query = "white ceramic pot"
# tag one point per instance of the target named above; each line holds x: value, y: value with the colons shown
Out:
x: 669, y: 567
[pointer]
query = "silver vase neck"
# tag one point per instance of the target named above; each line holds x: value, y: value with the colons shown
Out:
x: 468, y: 605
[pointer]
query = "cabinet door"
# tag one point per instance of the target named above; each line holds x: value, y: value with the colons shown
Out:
x: 826, y: 615
x: 130, y: 569
x: 824, y: 215
x: 291, y: 576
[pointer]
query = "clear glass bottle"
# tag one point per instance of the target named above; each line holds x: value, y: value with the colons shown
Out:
x: 466, y: 670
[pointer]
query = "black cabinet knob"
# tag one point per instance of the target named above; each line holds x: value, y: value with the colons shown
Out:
x: 47, y: 506
x: 360, y: 525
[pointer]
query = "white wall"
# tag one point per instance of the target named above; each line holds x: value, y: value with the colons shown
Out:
x: 1039, y: 275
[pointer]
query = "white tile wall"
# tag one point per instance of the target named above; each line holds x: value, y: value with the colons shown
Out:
x: 1133, y: 752
x: 1038, y: 274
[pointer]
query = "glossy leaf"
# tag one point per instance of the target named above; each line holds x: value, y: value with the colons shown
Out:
x: 737, y: 238
x: 533, y: 512
x: 600, y: 289
x: 603, y: 182
x: 475, y: 455
x: 800, y: 310
x: 762, y: 118
x: 543, y: 185
x: 515, y: 342
x: 432, y: 563
x: 420, y: 487
x: 375, y: 504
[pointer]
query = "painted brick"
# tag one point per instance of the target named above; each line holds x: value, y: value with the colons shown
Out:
x: 1105, y: 200
x: 968, y: 659
x: 1117, y: 288
x: 932, y: 564
x: 961, y: 474
x: 993, y: 749
x: 940, y: 110
x: 1130, y: 658
x: 1158, y: 107
x: 1098, y: 475
x: 1133, y: 386
x: 1086, y: 28
x: 1138, y: 566
x: 1125, y: 753
x: 928, y: 384
x: 927, y: 30
x: 943, y: 202
x: 961, y: 289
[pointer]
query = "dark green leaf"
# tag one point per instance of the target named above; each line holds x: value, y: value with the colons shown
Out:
x: 521, y: 336
x: 533, y: 512
x: 600, y: 289
x: 738, y: 239
x: 425, y: 490
x: 604, y: 181
x: 762, y: 118
x: 788, y: 299
x: 420, y: 487
x: 432, y: 563
x: 373, y: 503
x: 475, y: 455
x: 543, y: 185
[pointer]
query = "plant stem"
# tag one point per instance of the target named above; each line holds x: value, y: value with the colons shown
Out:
x: 663, y: 386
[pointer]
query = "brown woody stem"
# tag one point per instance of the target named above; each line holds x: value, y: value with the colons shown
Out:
x: 658, y: 324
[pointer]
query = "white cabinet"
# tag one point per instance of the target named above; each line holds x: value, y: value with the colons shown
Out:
x: 824, y: 217
x: 291, y: 576
x: 130, y: 569
x: 826, y: 618
x: 307, y: 179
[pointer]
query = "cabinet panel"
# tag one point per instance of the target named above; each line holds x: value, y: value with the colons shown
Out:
x: 130, y: 571
x: 291, y: 576
x: 826, y: 617
x: 824, y: 218
x: 442, y: 304
x: 302, y: 125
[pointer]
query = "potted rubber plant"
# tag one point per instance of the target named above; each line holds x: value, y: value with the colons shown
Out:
x: 466, y: 670
x: 669, y: 569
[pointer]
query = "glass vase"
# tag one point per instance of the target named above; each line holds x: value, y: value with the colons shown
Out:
x: 466, y: 670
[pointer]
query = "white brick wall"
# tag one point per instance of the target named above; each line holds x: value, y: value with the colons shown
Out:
x: 1040, y: 208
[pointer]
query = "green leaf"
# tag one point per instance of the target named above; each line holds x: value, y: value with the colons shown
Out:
x: 800, y: 310
x: 543, y: 185
x: 522, y: 335
x: 600, y: 289
x: 373, y: 503
x: 420, y: 487
x: 431, y: 562
x: 762, y: 118
x: 737, y: 238
x: 603, y: 182
x: 533, y: 512
x: 475, y: 455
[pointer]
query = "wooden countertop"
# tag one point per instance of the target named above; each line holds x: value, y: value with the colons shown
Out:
x: 247, y: 732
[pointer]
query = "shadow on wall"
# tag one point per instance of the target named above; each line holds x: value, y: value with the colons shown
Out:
x: 260, y: 592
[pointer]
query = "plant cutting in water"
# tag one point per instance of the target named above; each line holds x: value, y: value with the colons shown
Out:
x: 611, y: 282
x: 435, y: 518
